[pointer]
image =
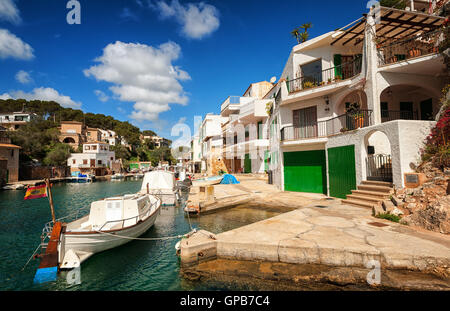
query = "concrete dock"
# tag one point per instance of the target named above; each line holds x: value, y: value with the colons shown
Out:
x: 320, y: 235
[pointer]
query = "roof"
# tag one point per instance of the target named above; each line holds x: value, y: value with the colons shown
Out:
x: 395, y: 24
x: 71, y: 122
x: 9, y: 146
x: 96, y: 142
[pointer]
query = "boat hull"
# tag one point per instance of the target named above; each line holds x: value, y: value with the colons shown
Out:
x: 205, y: 182
x: 87, y: 244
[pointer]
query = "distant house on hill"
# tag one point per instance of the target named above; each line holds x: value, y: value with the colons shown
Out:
x: 75, y: 133
x: 12, y: 121
x: 158, y: 141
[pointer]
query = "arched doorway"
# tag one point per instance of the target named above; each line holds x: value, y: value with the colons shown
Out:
x: 69, y: 140
x: 378, y: 160
x: 352, y: 112
x: 356, y: 98
x: 408, y: 102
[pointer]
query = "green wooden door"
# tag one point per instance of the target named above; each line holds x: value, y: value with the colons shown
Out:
x: 247, y: 164
x: 305, y: 171
x: 341, y: 171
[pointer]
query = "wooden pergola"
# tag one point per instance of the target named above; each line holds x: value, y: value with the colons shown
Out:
x: 395, y: 24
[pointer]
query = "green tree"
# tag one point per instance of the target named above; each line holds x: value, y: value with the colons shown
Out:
x: 58, y: 155
x: 36, y: 138
x: 398, y: 4
x: 121, y: 152
x: 148, y: 133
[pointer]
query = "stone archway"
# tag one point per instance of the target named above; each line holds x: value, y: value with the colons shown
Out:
x: 357, y: 97
x: 69, y: 140
x: 377, y: 152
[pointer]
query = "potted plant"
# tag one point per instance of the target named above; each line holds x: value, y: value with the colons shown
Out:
x: 329, y: 80
x: 344, y: 129
x: 359, y: 120
x: 354, y: 110
x: 308, y: 84
x: 269, y: 108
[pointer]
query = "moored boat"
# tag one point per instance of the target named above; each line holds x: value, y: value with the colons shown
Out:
x: 163, y: 184
x: 118, y: 176
x: 203, y: 182
x: 110, y: 223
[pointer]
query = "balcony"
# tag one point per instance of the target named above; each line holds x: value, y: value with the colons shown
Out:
x: 328, y: 76
x: 232, y: 103
x: 337, y: 125
x: 395, y: 51
x: 391, y: 115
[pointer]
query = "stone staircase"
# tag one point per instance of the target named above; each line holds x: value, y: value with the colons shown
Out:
x: 369, y: 193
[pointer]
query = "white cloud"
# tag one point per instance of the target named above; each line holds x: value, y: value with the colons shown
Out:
x: 144, y: 75
x: 5, y: 96
x: 46, y: 94
x: 23, y: 77
x: 182, y: 120
x: 197, y: 19
x: 14, y: 47
x: 101, y: 96
x: 9, y: 12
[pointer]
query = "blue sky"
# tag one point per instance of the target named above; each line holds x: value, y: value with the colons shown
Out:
x: 156, y: 62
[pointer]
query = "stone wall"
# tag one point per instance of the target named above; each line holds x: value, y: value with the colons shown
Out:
x: 41, y: 172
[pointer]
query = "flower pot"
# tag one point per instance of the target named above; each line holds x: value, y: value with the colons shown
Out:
x: 359, y: 122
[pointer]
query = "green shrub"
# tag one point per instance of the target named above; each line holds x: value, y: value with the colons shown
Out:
x: 393, y: 218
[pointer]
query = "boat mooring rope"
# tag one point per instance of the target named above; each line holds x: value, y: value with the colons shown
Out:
x: 149, y: 239
x: 40, y: 244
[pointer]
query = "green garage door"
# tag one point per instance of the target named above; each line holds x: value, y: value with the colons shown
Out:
x: 305, y: 171
x: 341, y: 171
x: 247, y: 164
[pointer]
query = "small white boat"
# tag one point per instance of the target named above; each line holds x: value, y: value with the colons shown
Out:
x: 203, y: 182
x: 139, y: 175
x: 111, y: 222
x: 163, y: 184
x: 117, y: 176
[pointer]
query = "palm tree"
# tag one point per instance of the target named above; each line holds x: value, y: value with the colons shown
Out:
x: 295, y: 33
x: 301, y: 36
x: 304, y: 36
x: 306, y: 26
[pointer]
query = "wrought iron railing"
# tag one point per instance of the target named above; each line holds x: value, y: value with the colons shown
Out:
x: 331, y: 75
x: 391, y: 115
x: 336, y: 125
x: 379, y: 167
x: 394, y: 51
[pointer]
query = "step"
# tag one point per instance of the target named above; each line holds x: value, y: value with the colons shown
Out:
x: 382, y: 189
x: 362, y: 197
x: 377, y: 183
x: 358, y: 203
x: 373, y: 194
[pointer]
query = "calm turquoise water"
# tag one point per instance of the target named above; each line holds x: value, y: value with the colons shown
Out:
x: 138, y: 265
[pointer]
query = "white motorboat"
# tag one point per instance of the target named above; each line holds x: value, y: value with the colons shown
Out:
x: 163, y: 184
x: 118, y: 176
x: 111, y: 222
x: 203, y: 182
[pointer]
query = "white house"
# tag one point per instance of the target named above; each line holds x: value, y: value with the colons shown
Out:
x: 14, y: 120
x: 110, y: 137
x: 96, y: 159
x: 196, y: 153
x: 390, y: 72
x: 211, y: 142
x: 245, y: 140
